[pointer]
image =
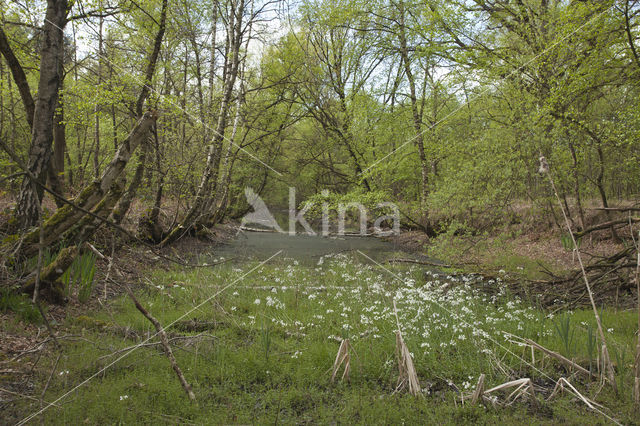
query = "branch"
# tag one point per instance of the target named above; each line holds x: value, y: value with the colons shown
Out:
x: 165, y: 344
x: 19, y: 76
x: 153, y: 59
x: 607, y: 225
x: 109, y: 11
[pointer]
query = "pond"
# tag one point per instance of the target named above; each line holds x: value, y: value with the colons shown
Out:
x: 306, y: 249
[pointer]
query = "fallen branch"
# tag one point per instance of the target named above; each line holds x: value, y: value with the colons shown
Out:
x: 165, y: 344
x: 618, y: 209
x: 419, y: 262
x: 606, y: 225
x: 21, y: 395
x: 153, y: 344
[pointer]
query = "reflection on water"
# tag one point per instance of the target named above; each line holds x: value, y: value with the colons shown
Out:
x: 304, y: 248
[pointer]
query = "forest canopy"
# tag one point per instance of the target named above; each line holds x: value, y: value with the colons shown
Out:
x: 442, y: 107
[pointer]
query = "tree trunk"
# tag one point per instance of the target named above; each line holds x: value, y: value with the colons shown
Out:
x: 19, y: 77
x: 66, y: 217
x: 120, y: 211
x: 153, y: 59
x: 30, y: 196
x: 210, y: 175
x: 56, y: 168
x: 416, y: 113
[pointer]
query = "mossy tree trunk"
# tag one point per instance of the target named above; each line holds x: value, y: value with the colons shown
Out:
x: 68, y: 216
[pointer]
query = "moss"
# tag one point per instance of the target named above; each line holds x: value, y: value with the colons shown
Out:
x: 89, y: 323
x: 10, y: 239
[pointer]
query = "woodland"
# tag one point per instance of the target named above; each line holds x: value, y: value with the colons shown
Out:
x: 131, y: 129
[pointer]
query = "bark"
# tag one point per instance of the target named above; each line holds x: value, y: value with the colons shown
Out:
x: 153, y: 59
x: 66, y: 217
x: 19, y: 76
x: 50, y: 274
x: 59, y: 138
x: 148, y: 227
x: 628, y: 32
x: 56, y: 167
x: 210, y: 175
x: 219, y: 200
x: 212, y: 67
x: 29, y: 198
x: 415, y: 111
x: 89, y: 224
x: 120, y: 211
x: 96, y: 111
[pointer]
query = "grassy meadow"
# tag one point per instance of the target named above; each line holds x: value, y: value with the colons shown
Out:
x: 258, y: 348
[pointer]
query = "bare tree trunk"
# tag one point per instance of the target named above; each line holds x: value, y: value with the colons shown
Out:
x: 121, y: 209
x: 59, y: 139
x: 219, y: 200
x: 56, y: 168
x: 96, y: 110
x: 210, y: 175
x: 576, y: 185
x: 29, y: 198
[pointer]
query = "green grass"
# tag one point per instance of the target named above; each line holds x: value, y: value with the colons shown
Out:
x: 268, y: 357
x: 20, y: 304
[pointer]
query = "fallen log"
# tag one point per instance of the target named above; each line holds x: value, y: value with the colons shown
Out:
x: 607, y: 225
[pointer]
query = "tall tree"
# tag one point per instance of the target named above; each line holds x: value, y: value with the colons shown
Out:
x: 30, y: 197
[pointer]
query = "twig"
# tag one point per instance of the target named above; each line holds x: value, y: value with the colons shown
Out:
x: 26, y: 396
x: 46, y: 386
x: 95, y: 250
x: 165, y: 344
x: 419, y: 262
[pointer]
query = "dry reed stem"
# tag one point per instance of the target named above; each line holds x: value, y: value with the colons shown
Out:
x: 523, y: 387
x: 594, y: 406
x: 343, y: 356
x: 606, y: 359
x: 408, y: 376
x: 562, y: 359
x: 406, y: 369
x: 479, y: 390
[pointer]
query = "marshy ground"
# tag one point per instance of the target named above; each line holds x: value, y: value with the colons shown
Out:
x: 257, y: 343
